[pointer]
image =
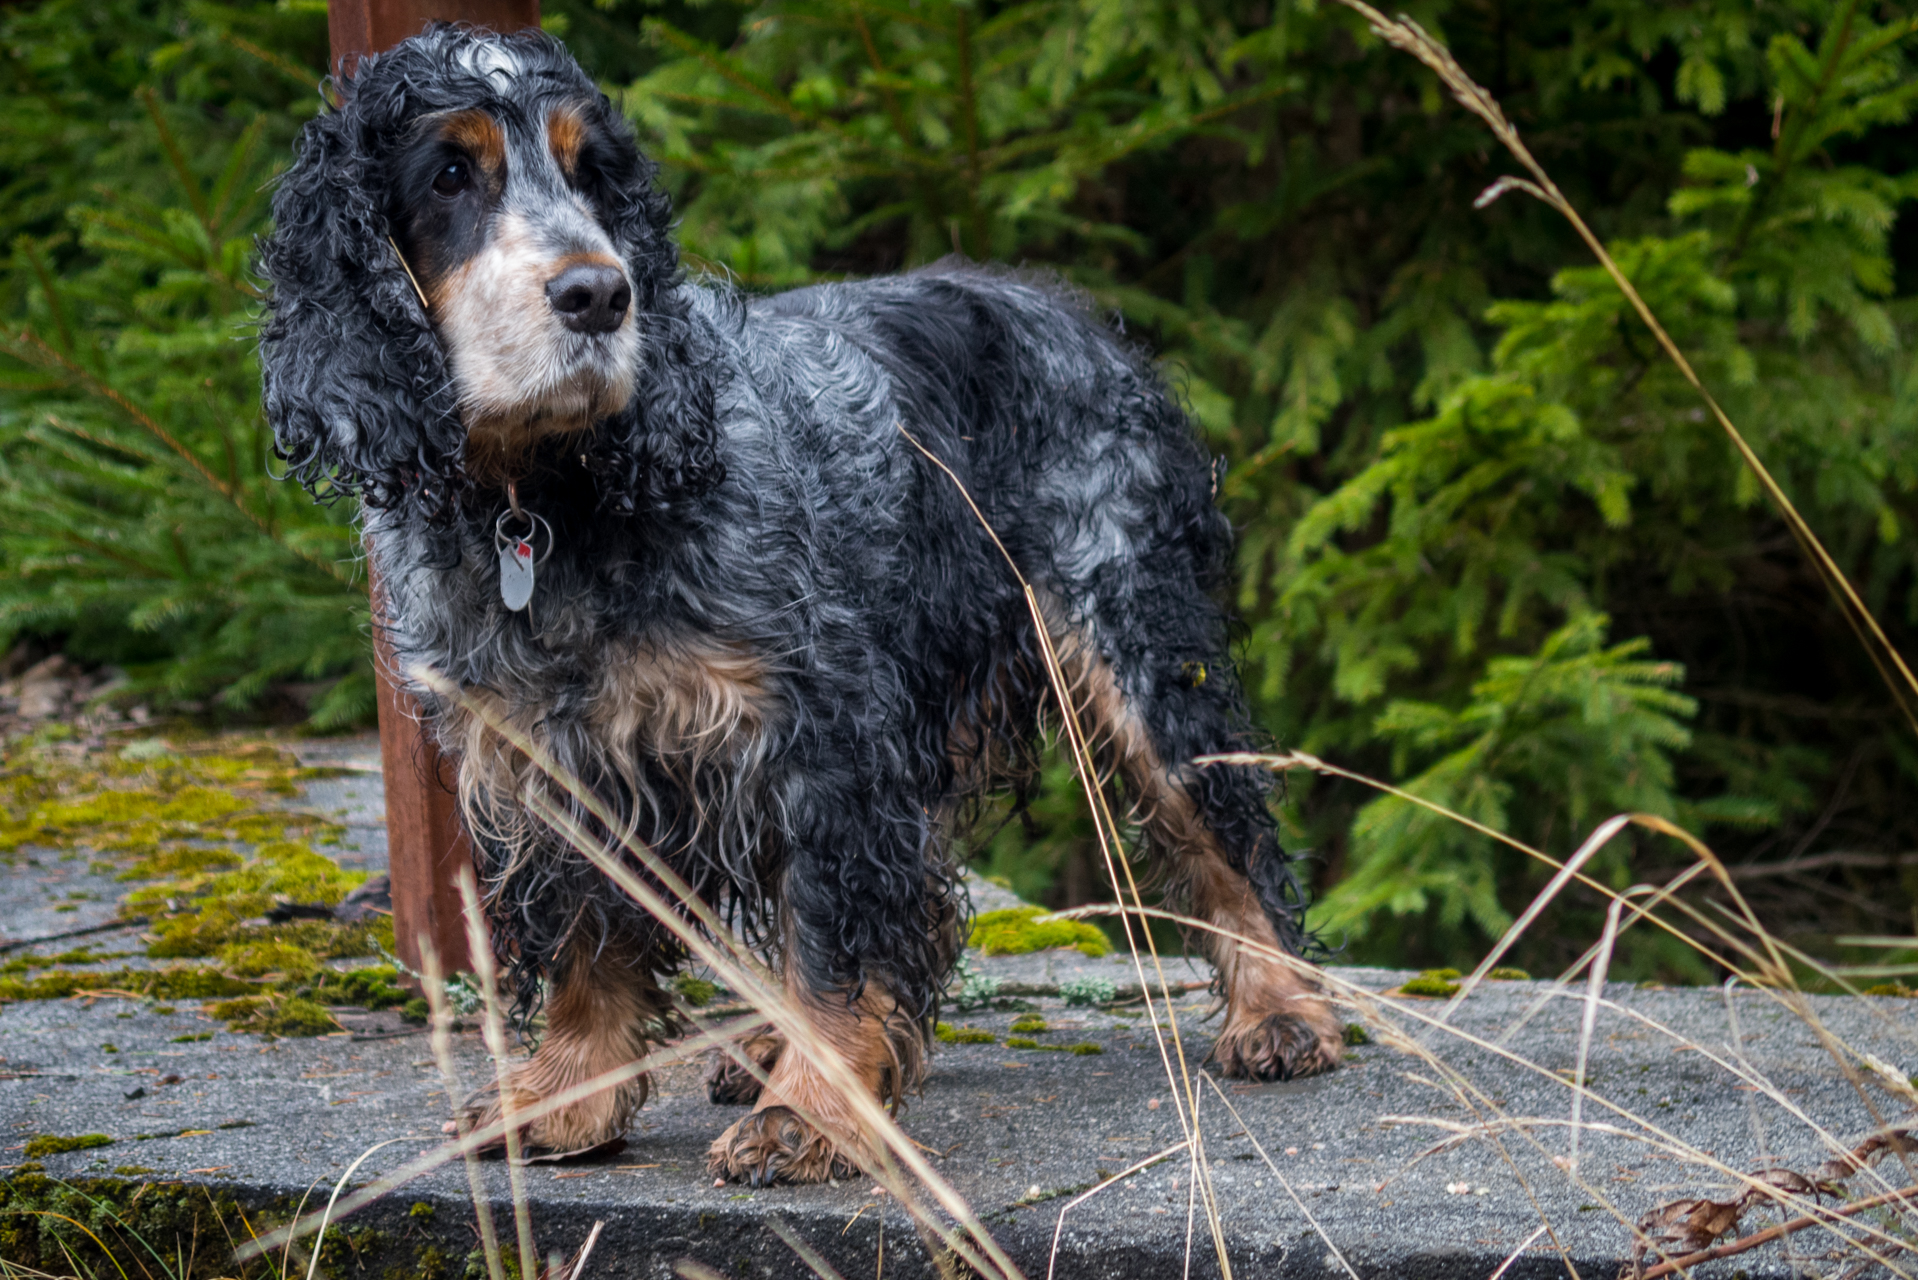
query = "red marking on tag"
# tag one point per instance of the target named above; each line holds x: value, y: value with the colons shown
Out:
x: 523, y: 551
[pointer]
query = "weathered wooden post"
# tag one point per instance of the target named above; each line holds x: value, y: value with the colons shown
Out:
x: 425, y: 846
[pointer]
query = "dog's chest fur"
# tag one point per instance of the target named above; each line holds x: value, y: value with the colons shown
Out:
x: 681, y: 702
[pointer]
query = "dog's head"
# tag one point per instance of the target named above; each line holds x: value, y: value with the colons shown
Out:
x: 470, y: 258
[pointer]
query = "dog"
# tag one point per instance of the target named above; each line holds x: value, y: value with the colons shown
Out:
x: 696, y: 545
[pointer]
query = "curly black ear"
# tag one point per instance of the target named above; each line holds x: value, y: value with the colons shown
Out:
x: 663, y: 452
x: 356, y: 384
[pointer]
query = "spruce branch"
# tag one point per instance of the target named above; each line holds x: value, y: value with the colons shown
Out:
x: 1406, y: 35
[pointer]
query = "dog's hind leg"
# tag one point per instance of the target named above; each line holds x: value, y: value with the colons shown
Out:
x: 604, y: 1009
x: 1210, y: 824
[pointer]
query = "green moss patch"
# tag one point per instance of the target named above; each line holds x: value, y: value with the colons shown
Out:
x: 199, y: 827
x: 1505, y: 973
x: 49, y: 1144
x: 696, y: 992
x: 179, y: 983
x: 216, y: 905
x: 374, y: 987
x: 268, y: 957
x: 1029, y: 1024
x: 1432, y: 983
x: 949, y: 1034
x: 128, y: 1225
x: 1084, y: 1048
x: 275, y: 1015
x: 1019, y: 931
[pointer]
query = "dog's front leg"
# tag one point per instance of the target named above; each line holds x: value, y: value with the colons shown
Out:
x: 804, y: 1127
x: 604, y: 1003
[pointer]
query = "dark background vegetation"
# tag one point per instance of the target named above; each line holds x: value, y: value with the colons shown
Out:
x: 1493, y: 549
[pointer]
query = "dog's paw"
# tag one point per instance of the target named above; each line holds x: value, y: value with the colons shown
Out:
x: 728, y: 1084
x: 590, y: 1122
x: 1279, y: 1046
x: 774, y: 1146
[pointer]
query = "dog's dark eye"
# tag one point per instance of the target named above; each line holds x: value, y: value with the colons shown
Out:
x: 452, y: 180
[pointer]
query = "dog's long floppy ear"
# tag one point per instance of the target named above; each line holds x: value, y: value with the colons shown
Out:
x: 663, y: 451
x: 356, y: 384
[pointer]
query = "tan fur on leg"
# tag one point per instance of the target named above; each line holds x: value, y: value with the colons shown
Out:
x: 729, y: 1084
x: 774, y: 1144
x: 597, y: 1020
x: 1278, y: 1023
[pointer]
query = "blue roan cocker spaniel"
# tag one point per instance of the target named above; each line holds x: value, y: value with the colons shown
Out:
x: 679, y: 536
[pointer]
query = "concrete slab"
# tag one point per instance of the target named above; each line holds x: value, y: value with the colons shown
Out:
x: 355, y: 798
x: 1018, y: 1131
x: 1706, y: 1077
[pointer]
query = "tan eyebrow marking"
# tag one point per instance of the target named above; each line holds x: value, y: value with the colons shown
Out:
x: 565, y: 135
x: 481, y: 137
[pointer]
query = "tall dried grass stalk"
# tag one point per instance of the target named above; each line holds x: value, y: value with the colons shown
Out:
x: 442, y: 1038
x: 479, y: 945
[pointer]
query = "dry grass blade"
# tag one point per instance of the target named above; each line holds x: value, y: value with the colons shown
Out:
x: 442, y: 1040
x: 1513, y: 1256
x: 574, y: 1268
x: 807, y: 1254
x: 319, y: 1237
x: 1407, y: 35
x: 731, y: 964
x: 1640, y: 910
x: 480, y: 946
x: 1184, y: 1090
x: 1593, y: 843
x: 1765, y: 963
x: 1284, y: 1181
x: 1588, y: 1020
x: 1377, y: 1010
x: 1053, y: 1258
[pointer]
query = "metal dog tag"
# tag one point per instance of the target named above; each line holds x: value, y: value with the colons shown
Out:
x: 518, y: 558
x: 516, y: 574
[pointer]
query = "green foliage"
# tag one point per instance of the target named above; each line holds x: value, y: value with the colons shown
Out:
x: 140, y: 519
x: 1547, y: 744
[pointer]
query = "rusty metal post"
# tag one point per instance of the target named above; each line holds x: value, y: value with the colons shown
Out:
x: 425, y: 845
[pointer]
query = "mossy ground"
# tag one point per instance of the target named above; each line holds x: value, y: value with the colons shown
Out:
x: 128, y: 1226
x: 198, y: 829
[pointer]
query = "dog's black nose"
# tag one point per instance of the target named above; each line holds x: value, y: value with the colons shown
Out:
x: 590, y: 298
